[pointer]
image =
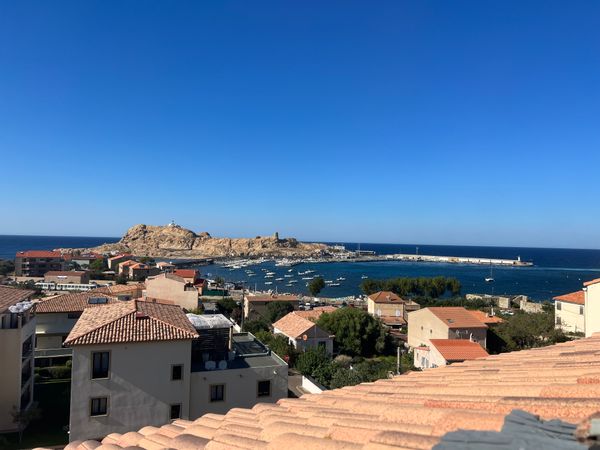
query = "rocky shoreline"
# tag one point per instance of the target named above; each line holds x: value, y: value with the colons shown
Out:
x: 174, y: 241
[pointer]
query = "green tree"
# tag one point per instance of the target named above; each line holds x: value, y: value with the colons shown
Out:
x: 314, y: 362
x: 121, y: 279
x: 254, y: 326
x: 356, y: 332
x: 276, y: 310
x: 230, y: 308
x: 98, y: 265
x: 6, y: 267
x: 279, y: 345
x: 316, y: 286
x: 219, y: 281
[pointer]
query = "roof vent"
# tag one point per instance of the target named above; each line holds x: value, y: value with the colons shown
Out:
x: 97, y: 300
x: 140, y: 315
x: 450, y: 320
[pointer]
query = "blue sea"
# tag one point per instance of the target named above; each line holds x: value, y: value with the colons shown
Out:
x: 555, y: 271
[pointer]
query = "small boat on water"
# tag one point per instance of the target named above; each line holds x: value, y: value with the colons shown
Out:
x: 364, y: 277
x: 293, y: 281
x: 490, y: 279
x: 308, y: 278
x: 278, y: 279
x: 288, y: 276
x: 290, y: 270
x: 268, y: 282
x: 333, y: 284
x: 341, y: 279
x: 270, y: 273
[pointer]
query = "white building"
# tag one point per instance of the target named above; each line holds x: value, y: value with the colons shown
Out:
x: 441, y: 352
x: 569, y: 312
x: 17, y: 338
x: 139, y: 363
x: 592, y: 307
x: 303, y: 333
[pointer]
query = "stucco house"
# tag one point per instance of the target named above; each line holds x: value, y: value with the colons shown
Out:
x: 172, y: 288
x: 441, y: 352
x: 303, y: 333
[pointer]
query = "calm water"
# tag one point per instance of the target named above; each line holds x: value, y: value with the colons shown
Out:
x: 556, y: 271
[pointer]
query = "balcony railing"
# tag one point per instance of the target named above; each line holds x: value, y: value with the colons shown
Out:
x: 52, y: 352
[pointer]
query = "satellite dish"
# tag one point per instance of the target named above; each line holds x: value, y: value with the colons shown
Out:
x: 222, y: 365
x: 304, y: 337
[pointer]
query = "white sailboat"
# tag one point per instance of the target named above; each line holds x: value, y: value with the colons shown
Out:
x: 490, y: 279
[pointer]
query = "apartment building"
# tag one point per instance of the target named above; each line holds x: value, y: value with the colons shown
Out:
x: 139, y: 363
x: 168, y: 287
x: 56, y: 317
x: 255, y: 306
x: 114, y: 261
x: 17, y: 338
x: 569, y: 312
x: 140, y: 271
x: 385, y: 304
x: 35, y: 263
x: 303, y: 333
x: 190, y: 276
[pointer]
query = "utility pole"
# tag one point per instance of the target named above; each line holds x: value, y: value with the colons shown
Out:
x: 398, y: 361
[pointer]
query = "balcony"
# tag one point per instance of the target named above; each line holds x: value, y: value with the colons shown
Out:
x: 53, y: 352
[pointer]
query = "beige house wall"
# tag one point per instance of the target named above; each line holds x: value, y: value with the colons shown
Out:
x: 314, y: 336
x: 11, y: 365
x: 241, y: 387
x: 592, y: 309
x: 139, y: 388
x: 165, y: 289
x: 385, y: 309
x: 73, y: 279
x: 423, y: 325
x: 428, y: 358
x: 569, y: 317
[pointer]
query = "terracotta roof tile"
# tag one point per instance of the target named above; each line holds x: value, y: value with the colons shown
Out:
x: 484, y: 317
x: 186, y: 273
x: 458, y: 349
x: 293, y: 325
x: 39, y: 254
x: 589, y: 283
x: 315, y: 313
x: 574, y: 297
x: 10, y: 296
x: 456, y: 317
x: 272, y: 298
x: 131, y: 321
x: 67, y: 303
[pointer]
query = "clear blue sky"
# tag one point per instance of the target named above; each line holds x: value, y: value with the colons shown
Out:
x: 427, y: 122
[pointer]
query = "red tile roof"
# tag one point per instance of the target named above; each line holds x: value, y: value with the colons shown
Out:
x: 456, y: 317
x: 589, y: 283
x: 186, y: 273
x: 393, y: 320
x: 315, y: 313
x: 574, y: 297
x: 10, y: 296
x: 293, y: 325
x: 458, y: 349
x: 131, y: 321
x: 123, y: 255
x: 38, y: 254
x: 484, y: 317
x: 386, y: 297
x: 71, y: 303
x: 410, y: 411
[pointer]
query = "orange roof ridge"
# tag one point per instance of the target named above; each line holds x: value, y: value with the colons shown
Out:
x: 73, y: 335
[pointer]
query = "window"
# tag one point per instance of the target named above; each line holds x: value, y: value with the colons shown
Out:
x: 74, y: 315
x: 100, y: 364
x: 217, y: 392
x: 558, y: 321
x: 558, y: 306
x: 264, y: 388
x: 175, y: 412
x: 177, y: 372
x: 581, y: 310
x: 99, y: 406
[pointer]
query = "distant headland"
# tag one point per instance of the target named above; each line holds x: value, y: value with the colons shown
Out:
x: 174, y: 241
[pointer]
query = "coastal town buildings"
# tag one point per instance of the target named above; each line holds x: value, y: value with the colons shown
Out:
x: 123, y: 267
x: 35, y: 263
x: 198, y: 366
x: 140, y: 271
x: 190, y: 276
x: 17, y: 339
x: 569, y: 312
x: 387, y: 304
x: 114, y: 261
x: 67, y: 277
x: 416, y: 410
x: 81, y: 260
x: 165, y: 266
x: 255, y: 305
x: 172, y: 288
x: 303, y: 333
x: 56, y: 317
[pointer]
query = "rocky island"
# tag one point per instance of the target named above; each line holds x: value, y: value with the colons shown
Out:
x: 174, y: 241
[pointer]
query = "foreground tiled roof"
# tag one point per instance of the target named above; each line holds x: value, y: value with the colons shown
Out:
x: 589, y: 283
x: 386, y: 297
x: 458, y: 349
x: 10, y: 296
x: 456, y: 317
x: 411, y: 411
x: 38, y: 254
x: 131, y: 321
x: 574, y: 297
x: 293, y: 325
x: 68, y: 303
x: 315, y: 313
x: 484, y: 317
